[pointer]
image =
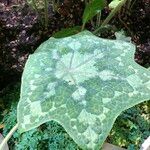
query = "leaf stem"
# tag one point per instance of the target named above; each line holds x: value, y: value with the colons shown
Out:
x: 8, y: 136
x: 83, y: 26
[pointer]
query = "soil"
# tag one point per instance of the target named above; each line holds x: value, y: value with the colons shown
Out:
x: 21, y: 32
x: 140, y: 27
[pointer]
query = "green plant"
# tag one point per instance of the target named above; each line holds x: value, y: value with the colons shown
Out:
x: 92, y: 8
x: 82, y: 87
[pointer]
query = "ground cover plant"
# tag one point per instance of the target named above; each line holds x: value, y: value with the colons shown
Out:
x: 77, y: 86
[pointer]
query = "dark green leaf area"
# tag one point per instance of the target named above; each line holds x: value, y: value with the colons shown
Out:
x: 67, y: 32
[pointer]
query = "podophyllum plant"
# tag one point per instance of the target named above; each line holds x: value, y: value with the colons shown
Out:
x: 83, y: 82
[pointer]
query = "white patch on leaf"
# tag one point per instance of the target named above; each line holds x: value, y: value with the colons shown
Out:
x: 131, y: 67
x: 133, y: 93
x: 30, y: 93
x: 98, y: 54
x: 53, y: 107
x: 105, y: 110
x: 123, y: 54
x: 117, y: 93
x: 92, y: 136
x: 147, y: 84
x: 33, y: 87
x: 50, y: 90
x: 35, y: 108
x: 42, y: 64
x: 120, y: 61
x: 75, y: 45
x: 28, y: 100
x: 118, y: 58
x: 27, y: 119
x: 86, y: 118
x: 102, y: 117
x: 37, y: 76
x: 62, y: 66
x: 106, y: 100
x: 117, y: 45
x: 55, y: 54
x: 31, y: 82
x: 134, y: 80
x: 48, y: 69
x: 107, y: 75
x: 79, y: 93
x: 51, y: 86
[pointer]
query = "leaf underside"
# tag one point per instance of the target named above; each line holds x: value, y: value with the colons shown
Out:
x: 83, y: 82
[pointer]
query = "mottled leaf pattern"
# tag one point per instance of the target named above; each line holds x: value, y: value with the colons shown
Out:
x: 83, y: 82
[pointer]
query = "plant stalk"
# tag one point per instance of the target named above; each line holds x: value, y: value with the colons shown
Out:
x: 98, y: 20
x: 8, y: 136
x: 111, y: 15
x: 83, y: 26
x: 133, y: 2
x: 46, y: 13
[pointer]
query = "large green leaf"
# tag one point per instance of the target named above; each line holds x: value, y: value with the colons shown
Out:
x: 93, y: 8
x: 83, y: 82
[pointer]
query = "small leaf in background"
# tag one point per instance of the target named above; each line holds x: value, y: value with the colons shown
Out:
x: 67, y: 32
x: 1, y: 139
x: 92, y: 9
x: 114, y: 3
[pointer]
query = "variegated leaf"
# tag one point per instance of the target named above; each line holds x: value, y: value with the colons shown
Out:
x: 83, y: 82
